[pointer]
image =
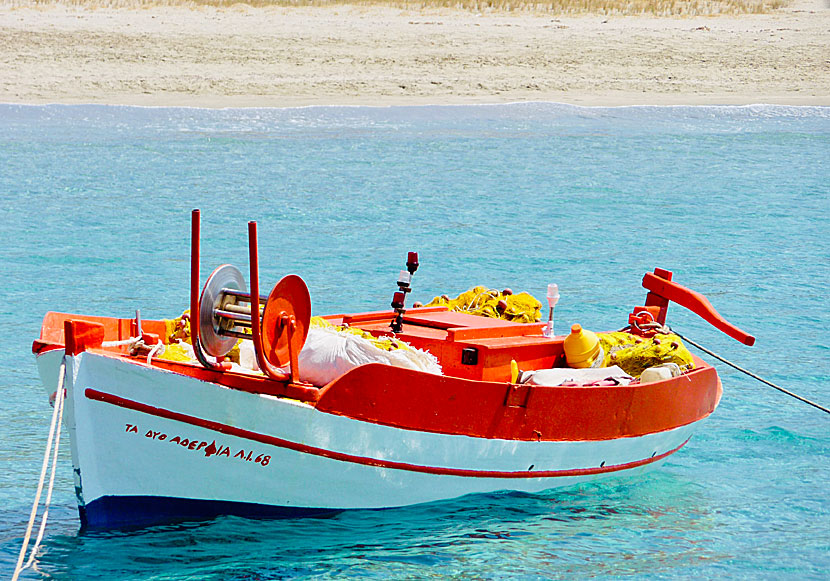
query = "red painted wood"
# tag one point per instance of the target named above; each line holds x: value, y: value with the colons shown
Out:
x: 695, y: 302
x: 455, y: 405
x: 660, y: 302
x: 51, y: 330
x: 242, y: 382
x: 378, y: 316
x: 39, y: 347
x: 515, y: 330
x: 96, y: 395
x: 82, y: 335
x: 417, y: 401
x: 452, y: 319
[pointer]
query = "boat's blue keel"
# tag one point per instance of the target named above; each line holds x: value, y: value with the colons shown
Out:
x: 139, y: 511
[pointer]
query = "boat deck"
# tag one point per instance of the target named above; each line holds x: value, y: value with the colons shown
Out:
x: 467, y: 346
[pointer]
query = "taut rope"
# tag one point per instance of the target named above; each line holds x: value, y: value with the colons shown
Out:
x: 752, y: 375
x: 54, y: 434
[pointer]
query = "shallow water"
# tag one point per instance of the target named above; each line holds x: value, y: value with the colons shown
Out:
x: 735, y: 200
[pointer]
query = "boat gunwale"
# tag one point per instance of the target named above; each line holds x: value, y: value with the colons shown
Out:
x: 448, y: 404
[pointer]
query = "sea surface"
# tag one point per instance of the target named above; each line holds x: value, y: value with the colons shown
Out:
x: 95, y: 207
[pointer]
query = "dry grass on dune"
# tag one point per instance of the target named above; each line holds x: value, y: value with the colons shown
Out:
x: 569, y: 7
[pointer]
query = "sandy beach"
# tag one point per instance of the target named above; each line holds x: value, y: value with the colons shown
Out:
x: 352, y: 55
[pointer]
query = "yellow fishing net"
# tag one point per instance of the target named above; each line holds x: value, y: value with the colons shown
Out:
x: 176, y: 352
x: 634, y: 353
x: 486, y: 302
x: 178, y: 334
x: 178, y: 329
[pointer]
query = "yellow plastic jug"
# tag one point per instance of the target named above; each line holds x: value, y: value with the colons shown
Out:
x: 582, y: 348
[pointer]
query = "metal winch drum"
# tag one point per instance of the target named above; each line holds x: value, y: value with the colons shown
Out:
x: 225, y: 314
x: 224, y: 311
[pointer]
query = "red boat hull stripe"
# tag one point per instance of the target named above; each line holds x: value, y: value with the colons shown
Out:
x: 119, y: 401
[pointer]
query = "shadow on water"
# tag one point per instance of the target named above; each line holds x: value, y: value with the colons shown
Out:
x: 576, y: 532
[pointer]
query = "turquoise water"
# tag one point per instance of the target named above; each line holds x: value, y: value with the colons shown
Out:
x: 94, y: 218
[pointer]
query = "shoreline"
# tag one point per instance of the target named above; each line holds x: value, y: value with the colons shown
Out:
x: 304, y: 104
x: 242, y: 57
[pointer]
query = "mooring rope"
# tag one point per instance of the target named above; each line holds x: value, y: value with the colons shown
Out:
x: 752, y: 375
x: 129, y: 341
x: 157, y: 349
x: 54, y: 434
x: 136, y: 344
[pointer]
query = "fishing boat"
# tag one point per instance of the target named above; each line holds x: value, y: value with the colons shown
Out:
x: 156, y: 439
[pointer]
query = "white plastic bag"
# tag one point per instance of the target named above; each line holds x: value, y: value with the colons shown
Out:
x: 329, y: 353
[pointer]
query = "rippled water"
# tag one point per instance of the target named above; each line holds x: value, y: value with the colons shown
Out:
x: 735, y: 200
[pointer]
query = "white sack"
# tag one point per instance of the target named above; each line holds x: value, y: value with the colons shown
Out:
x: 328, y: 354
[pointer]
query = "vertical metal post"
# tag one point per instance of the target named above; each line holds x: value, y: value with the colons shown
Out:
x: 256, y: 325
x: 195, y: 315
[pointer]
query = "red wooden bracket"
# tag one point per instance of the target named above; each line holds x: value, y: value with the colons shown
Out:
x: 82, y: 335
x: 663, y: 290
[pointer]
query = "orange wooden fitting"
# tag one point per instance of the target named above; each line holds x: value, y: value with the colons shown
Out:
x: 82, y: 335
x: 150, y: 338
x: 662, y: 290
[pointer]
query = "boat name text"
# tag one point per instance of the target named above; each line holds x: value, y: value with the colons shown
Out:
x: 209, y: 449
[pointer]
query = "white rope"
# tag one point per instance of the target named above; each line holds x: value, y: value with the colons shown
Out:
x: 120, y: 343
x: 136, y: 344
x: 48, y: 501
x: 54, y: 429
x: 159, y: 348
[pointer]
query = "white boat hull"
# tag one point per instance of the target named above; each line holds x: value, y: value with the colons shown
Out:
x: 150, y: 445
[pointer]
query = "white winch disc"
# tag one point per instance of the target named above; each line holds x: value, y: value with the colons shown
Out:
x: 212, y: 341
